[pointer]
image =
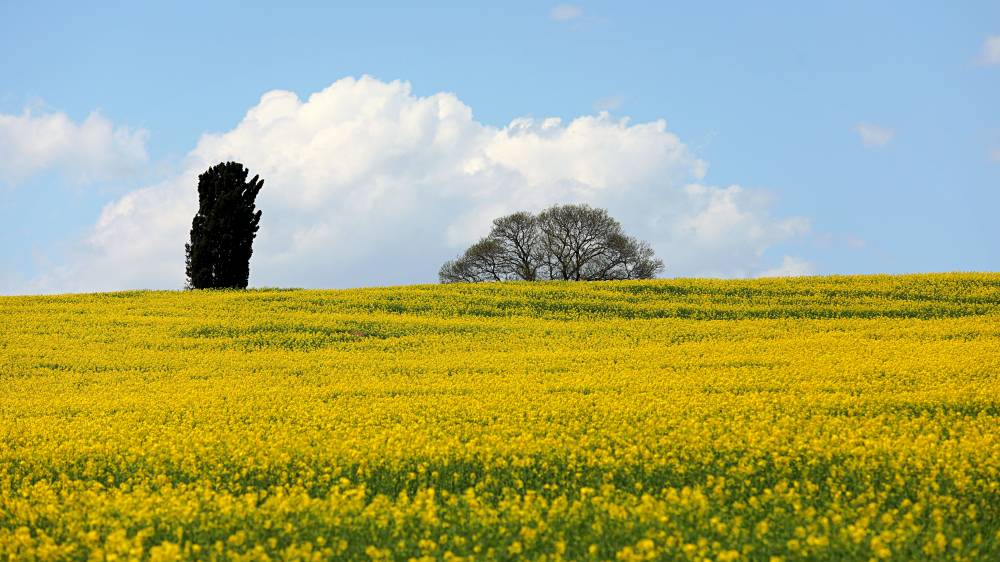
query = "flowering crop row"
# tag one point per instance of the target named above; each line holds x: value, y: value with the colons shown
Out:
x: 836, y: 418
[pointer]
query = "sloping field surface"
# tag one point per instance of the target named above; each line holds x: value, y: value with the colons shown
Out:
x: 835, y: 418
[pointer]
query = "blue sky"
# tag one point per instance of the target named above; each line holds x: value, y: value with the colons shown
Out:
x: 876, y: 124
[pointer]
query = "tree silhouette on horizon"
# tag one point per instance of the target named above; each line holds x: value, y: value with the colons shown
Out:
x: 563, y: 242
x: 222, y: 232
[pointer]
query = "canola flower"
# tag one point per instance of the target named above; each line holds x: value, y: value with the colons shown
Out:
x: 833, y: 418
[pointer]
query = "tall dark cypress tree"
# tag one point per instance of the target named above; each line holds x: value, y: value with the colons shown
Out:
x: 222, y: 233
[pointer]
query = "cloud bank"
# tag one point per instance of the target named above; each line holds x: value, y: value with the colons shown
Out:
x: 790, y: 267
x: 368, y: 184
x: 88, y: 151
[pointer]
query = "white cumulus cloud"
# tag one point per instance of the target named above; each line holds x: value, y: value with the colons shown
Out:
x: 874, y: 136
x: 94, y: 149
x: 368, y: 184
x: 991, y: 51
x: 565, y: 12
x: 791, y: 266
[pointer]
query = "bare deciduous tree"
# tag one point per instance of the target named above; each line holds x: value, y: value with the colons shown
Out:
x: 518, y: 238
x: 564, y: 242
x: 483, y: 261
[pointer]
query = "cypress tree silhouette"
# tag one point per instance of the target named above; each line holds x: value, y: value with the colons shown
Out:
x: 222, y: 233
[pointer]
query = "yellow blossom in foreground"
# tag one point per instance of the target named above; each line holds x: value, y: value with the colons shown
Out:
x: 836, y: 418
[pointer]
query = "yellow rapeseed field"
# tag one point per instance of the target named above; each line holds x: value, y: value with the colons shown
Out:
x: 831, y: 418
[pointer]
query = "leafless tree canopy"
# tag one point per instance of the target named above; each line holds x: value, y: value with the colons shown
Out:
x: 564, y: 242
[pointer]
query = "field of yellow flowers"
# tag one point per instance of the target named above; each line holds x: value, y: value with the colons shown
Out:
x: 831, y: 418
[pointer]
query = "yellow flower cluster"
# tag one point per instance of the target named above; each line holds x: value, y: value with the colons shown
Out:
x: 835, y: 418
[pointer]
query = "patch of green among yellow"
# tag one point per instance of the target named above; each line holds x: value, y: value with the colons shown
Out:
x: 834, y: 418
